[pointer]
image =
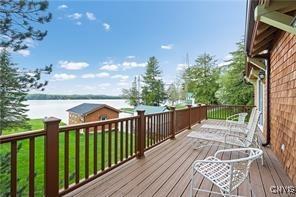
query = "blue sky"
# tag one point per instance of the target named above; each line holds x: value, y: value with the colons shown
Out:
x: 98, y: 47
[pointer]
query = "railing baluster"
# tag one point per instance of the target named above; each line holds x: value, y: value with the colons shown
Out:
x: 158, y: 130
x: 109, y: 145
x: 126, y: 139
x: 121, y: 140
x: 95, y: 149
x: 164, y: 126
x: 66, y: 160
x: 116, y: 143
x: 135, y: 134
x: 86, y: 158
x: 154, y: 129
x: 77, y: 155
x: 131, y: 138
x: 13, y: 174
x: 148, y: 134
x: 32, y: 167
x: 103, y: 148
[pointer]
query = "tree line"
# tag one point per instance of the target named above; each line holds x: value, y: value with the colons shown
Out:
x: 205, y: 80
x: 69, y: 97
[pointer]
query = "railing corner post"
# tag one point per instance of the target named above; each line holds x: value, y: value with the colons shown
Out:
x: 173, y: 122
x: 189, y: 116
x: 51, y: 152
x: 141, y: 134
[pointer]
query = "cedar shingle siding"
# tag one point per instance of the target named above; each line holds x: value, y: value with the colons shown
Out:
x: 283, y: 100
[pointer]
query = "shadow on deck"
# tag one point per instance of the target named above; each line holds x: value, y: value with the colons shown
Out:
x: 166, y: 171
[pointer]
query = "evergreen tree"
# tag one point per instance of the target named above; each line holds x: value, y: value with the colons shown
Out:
x: 233, y: 88
x: 132, y: 94
x: 16, y: 19
x: 14, y: 86
x: 202, y: 78
x: 172, y: 93
x: 153, y: 92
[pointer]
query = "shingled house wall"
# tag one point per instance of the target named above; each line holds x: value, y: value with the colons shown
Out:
x: 283, y: 101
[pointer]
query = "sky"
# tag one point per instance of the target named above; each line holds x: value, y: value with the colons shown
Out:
x: 99, y: 47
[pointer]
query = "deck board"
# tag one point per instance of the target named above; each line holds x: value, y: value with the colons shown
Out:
x: 166, y: 171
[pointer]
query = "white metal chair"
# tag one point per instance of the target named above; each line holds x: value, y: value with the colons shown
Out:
x: 201, y: 136
x: 231, y: 126
x: 227, y: 175
x: 237, y: 118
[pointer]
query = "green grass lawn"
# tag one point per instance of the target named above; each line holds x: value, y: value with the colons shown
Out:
x: 222, y: 113
x: 127, y: 110
x: 23, y: 156
x: 33, y: 124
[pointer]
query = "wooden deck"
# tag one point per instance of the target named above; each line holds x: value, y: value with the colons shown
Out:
x: 166, y: 171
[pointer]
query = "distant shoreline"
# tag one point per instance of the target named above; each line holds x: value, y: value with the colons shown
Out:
x: 69, y: 97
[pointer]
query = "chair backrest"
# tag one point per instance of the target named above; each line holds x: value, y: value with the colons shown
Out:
x: 240, y: 168
x: 251, y: 119
x: 252, y: 130
x: 241, y: 118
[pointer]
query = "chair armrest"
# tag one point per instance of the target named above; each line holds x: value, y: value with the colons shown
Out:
x: 232, y: 150
x: 232, y: 117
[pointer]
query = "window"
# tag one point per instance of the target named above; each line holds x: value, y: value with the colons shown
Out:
x: 260, y: 102
x: 103, y: 117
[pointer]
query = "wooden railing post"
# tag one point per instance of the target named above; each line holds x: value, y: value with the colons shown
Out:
x: 141, y: 134
x: 189, y: 116
x: 51, y: 127
x: 173, y: 122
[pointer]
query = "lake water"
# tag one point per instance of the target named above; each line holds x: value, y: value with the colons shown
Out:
x: 57, y: 108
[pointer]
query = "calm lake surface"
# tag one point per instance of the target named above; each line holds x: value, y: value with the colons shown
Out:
x: 57, y: 108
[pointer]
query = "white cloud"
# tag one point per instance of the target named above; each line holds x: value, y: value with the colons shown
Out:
x: 128, y: 64
x: 104, y: 84
x: 131, y: 57
x: 63, y: 76
x: 182, y: 67
x: 24, y: 52
x: 69, y: 65
x: 75, y: 16
x: 109, y: 67
x: 90, y: 16
x: 122, y: 84
x: 226, y: 61
x: 106, y: 26
x: 102, y: 75
x: 167, y: 46
x: 78, y: 23
x: 62, y: 7
x: 227, y: 57
x: 224, y: 64
x: 88, y: 76
x: 120, y: 77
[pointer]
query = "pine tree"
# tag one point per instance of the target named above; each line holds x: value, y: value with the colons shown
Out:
x: 202, y: 78
x: 233, y: 88
x: 14, y: 86
x: 172, y: 93
x: 16, y: 19
x: 153, y: 92
x: 132, y: 94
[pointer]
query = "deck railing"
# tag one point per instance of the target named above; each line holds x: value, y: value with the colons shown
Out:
x: 77, y: 154
x: 223, y: 111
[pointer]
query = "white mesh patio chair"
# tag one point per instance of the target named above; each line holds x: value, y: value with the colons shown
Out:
x: 203, y: 138
x: 227, y: 175
x: 230, y: 126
